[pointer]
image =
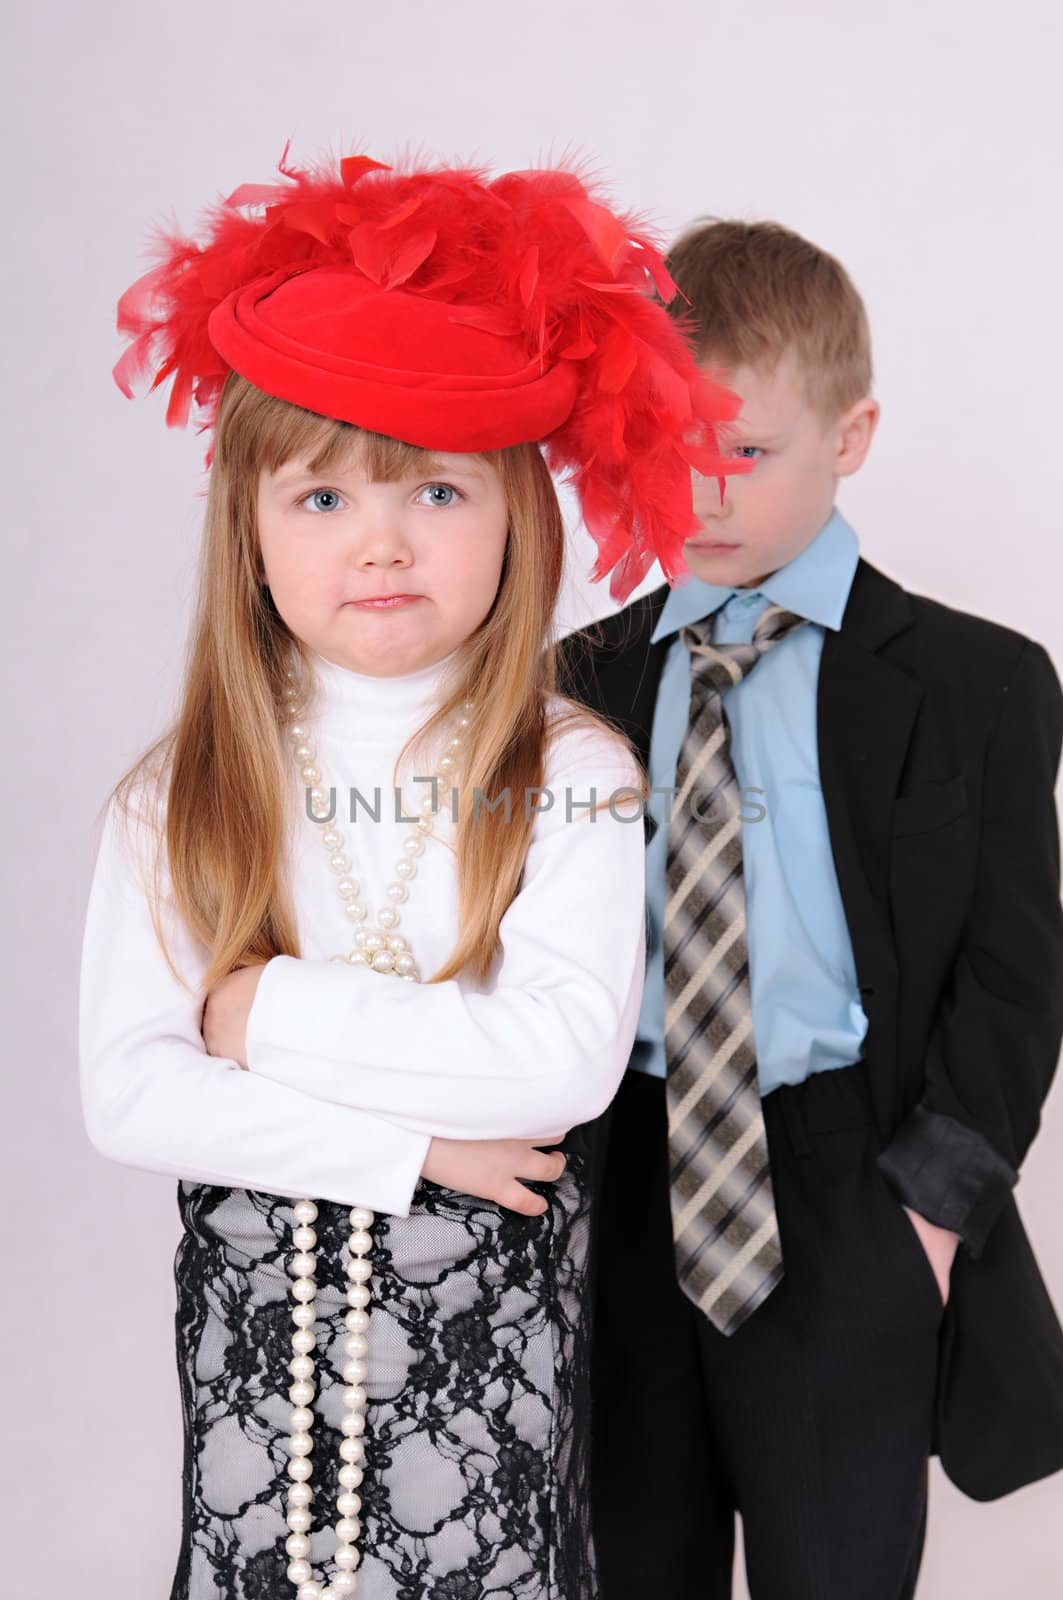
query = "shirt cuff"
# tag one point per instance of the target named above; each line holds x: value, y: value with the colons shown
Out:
x: 949, y: 1173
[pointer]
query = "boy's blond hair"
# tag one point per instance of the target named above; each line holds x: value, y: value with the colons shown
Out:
x: 756, y: 290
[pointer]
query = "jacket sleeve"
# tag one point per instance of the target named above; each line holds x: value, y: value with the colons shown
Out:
x: 995, y: 1046
x: 153, y: 1098
x: 543, y: 1045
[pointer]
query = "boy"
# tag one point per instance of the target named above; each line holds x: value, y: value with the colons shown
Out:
x: 811, y: 1271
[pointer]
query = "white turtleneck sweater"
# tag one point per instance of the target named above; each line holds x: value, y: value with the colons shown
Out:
x: 351, y: 1073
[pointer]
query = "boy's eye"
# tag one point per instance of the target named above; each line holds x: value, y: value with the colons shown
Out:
x: 322, y: 494
x: 748, y: 452
x: 439, y: 494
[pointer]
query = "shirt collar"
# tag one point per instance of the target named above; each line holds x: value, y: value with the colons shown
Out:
x: 815, y: 584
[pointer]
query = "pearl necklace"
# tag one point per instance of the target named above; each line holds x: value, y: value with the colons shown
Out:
x: 382, y: 950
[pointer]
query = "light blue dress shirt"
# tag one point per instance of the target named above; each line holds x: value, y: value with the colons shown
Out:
x: 807, y: 1015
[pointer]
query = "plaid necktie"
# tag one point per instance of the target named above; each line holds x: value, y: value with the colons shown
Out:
x: 728, y: 1254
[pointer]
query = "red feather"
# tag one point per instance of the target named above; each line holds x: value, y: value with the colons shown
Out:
x: 533, y: 253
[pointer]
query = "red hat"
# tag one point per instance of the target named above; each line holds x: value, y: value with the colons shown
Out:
x: 456, y: 312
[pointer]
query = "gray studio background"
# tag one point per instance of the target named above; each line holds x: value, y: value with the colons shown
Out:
x: 919, y: 141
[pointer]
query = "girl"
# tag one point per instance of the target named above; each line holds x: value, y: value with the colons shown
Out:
x: 371, y: 776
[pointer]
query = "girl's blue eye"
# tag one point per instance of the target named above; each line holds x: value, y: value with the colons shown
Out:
x: 440, y: 494
x: 328, y: 494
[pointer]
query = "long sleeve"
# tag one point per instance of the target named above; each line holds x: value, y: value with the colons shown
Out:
x: 539, y: 1051
x: 153, y: 1098
x: 995, y: 1048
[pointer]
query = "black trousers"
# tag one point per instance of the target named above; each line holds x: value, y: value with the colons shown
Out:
x: 813, y: 1420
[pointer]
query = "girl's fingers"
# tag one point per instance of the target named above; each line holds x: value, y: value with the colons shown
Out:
x: 542, y: 1168
x: 515, y: 1197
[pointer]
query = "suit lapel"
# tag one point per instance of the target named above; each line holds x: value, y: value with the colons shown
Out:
x: 866, y: 711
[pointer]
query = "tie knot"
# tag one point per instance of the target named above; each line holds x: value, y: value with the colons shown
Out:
x: 720, y: 666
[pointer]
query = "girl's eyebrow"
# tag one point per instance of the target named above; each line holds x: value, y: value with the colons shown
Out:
x: 433, y: 468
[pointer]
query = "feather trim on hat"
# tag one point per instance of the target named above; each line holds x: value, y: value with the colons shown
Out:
x: 534, y: 254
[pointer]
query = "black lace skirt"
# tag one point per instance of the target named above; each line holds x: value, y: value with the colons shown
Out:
x: 477, y: 1428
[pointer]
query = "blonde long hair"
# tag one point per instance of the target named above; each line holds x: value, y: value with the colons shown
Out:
x: 222, y: 764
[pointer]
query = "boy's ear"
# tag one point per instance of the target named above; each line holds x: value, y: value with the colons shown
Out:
x: 855, y: 431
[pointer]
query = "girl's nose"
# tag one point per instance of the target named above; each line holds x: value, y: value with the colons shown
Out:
x: 380, y: 542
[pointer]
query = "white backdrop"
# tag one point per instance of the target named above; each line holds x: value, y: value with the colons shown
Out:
x: 919, y: 142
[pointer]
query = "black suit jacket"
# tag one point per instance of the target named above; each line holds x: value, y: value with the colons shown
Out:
x: 939, y: 743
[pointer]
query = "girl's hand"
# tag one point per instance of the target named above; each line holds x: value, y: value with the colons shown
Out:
x: 225, y: 1012
x: 491, y: 1169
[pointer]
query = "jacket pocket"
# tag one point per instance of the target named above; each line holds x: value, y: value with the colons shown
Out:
x: 930, y: 805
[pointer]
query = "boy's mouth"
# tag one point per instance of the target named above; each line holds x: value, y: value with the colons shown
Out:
x: 711, y: 547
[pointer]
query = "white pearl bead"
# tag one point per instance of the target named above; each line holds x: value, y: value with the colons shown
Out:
x: 342, y: 1585
x: 300, y: 1496
x: 356, y: 1345
x: 345, y: 1558
x: 397, y: 892
x: 408, y: 977
x: 304, y: 1238
x: 300, y: 1419
x: 468, y: 707
x: 446, y: 765
x: 404, y: 965
x: 299, y: 1571
x: 348, y: 1529
x: 304, y: 1316
x: 424, y: 825
x: 301, y: 1393
x: 310, y: 774
x: 348, y: 1504
x: 397, y: 944
x: 359, y: 1271
x: 354, y: 1371
x: 331, y: 837
x: 299, y: 1519
x: 350, y: 1450
x: 301, y: 1366
x: 304, y: 751
x: 359, y: 1242
x: 388, y: 918
x: 356, y: 1321
x: 347, y: 887
x: 304, y: 1289
x: 355, y: 1397
x: 352, y: 1425
x: 355, y: 911
x: 357, y: 959
x: 302, y: 1264
x: 361, y: 1217
x: 357, y: 1295
x: 305, y: 1211
x: 297, y: 1546
x: 300, y: 1444
x: 413, y: 845
x: 299, y: 1467
x: 372, y: 943
x: 350, y: 1475
x: 383, y: 961
x: 405, y: 870
x: 340, y: 862
x: 309, y: 1591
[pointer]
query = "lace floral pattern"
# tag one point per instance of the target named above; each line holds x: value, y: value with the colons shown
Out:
x: 477, y: 1441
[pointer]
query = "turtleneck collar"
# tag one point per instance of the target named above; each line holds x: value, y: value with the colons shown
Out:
x: 362, y: 702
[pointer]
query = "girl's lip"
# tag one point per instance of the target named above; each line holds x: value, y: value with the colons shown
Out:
x: 386, y: 602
